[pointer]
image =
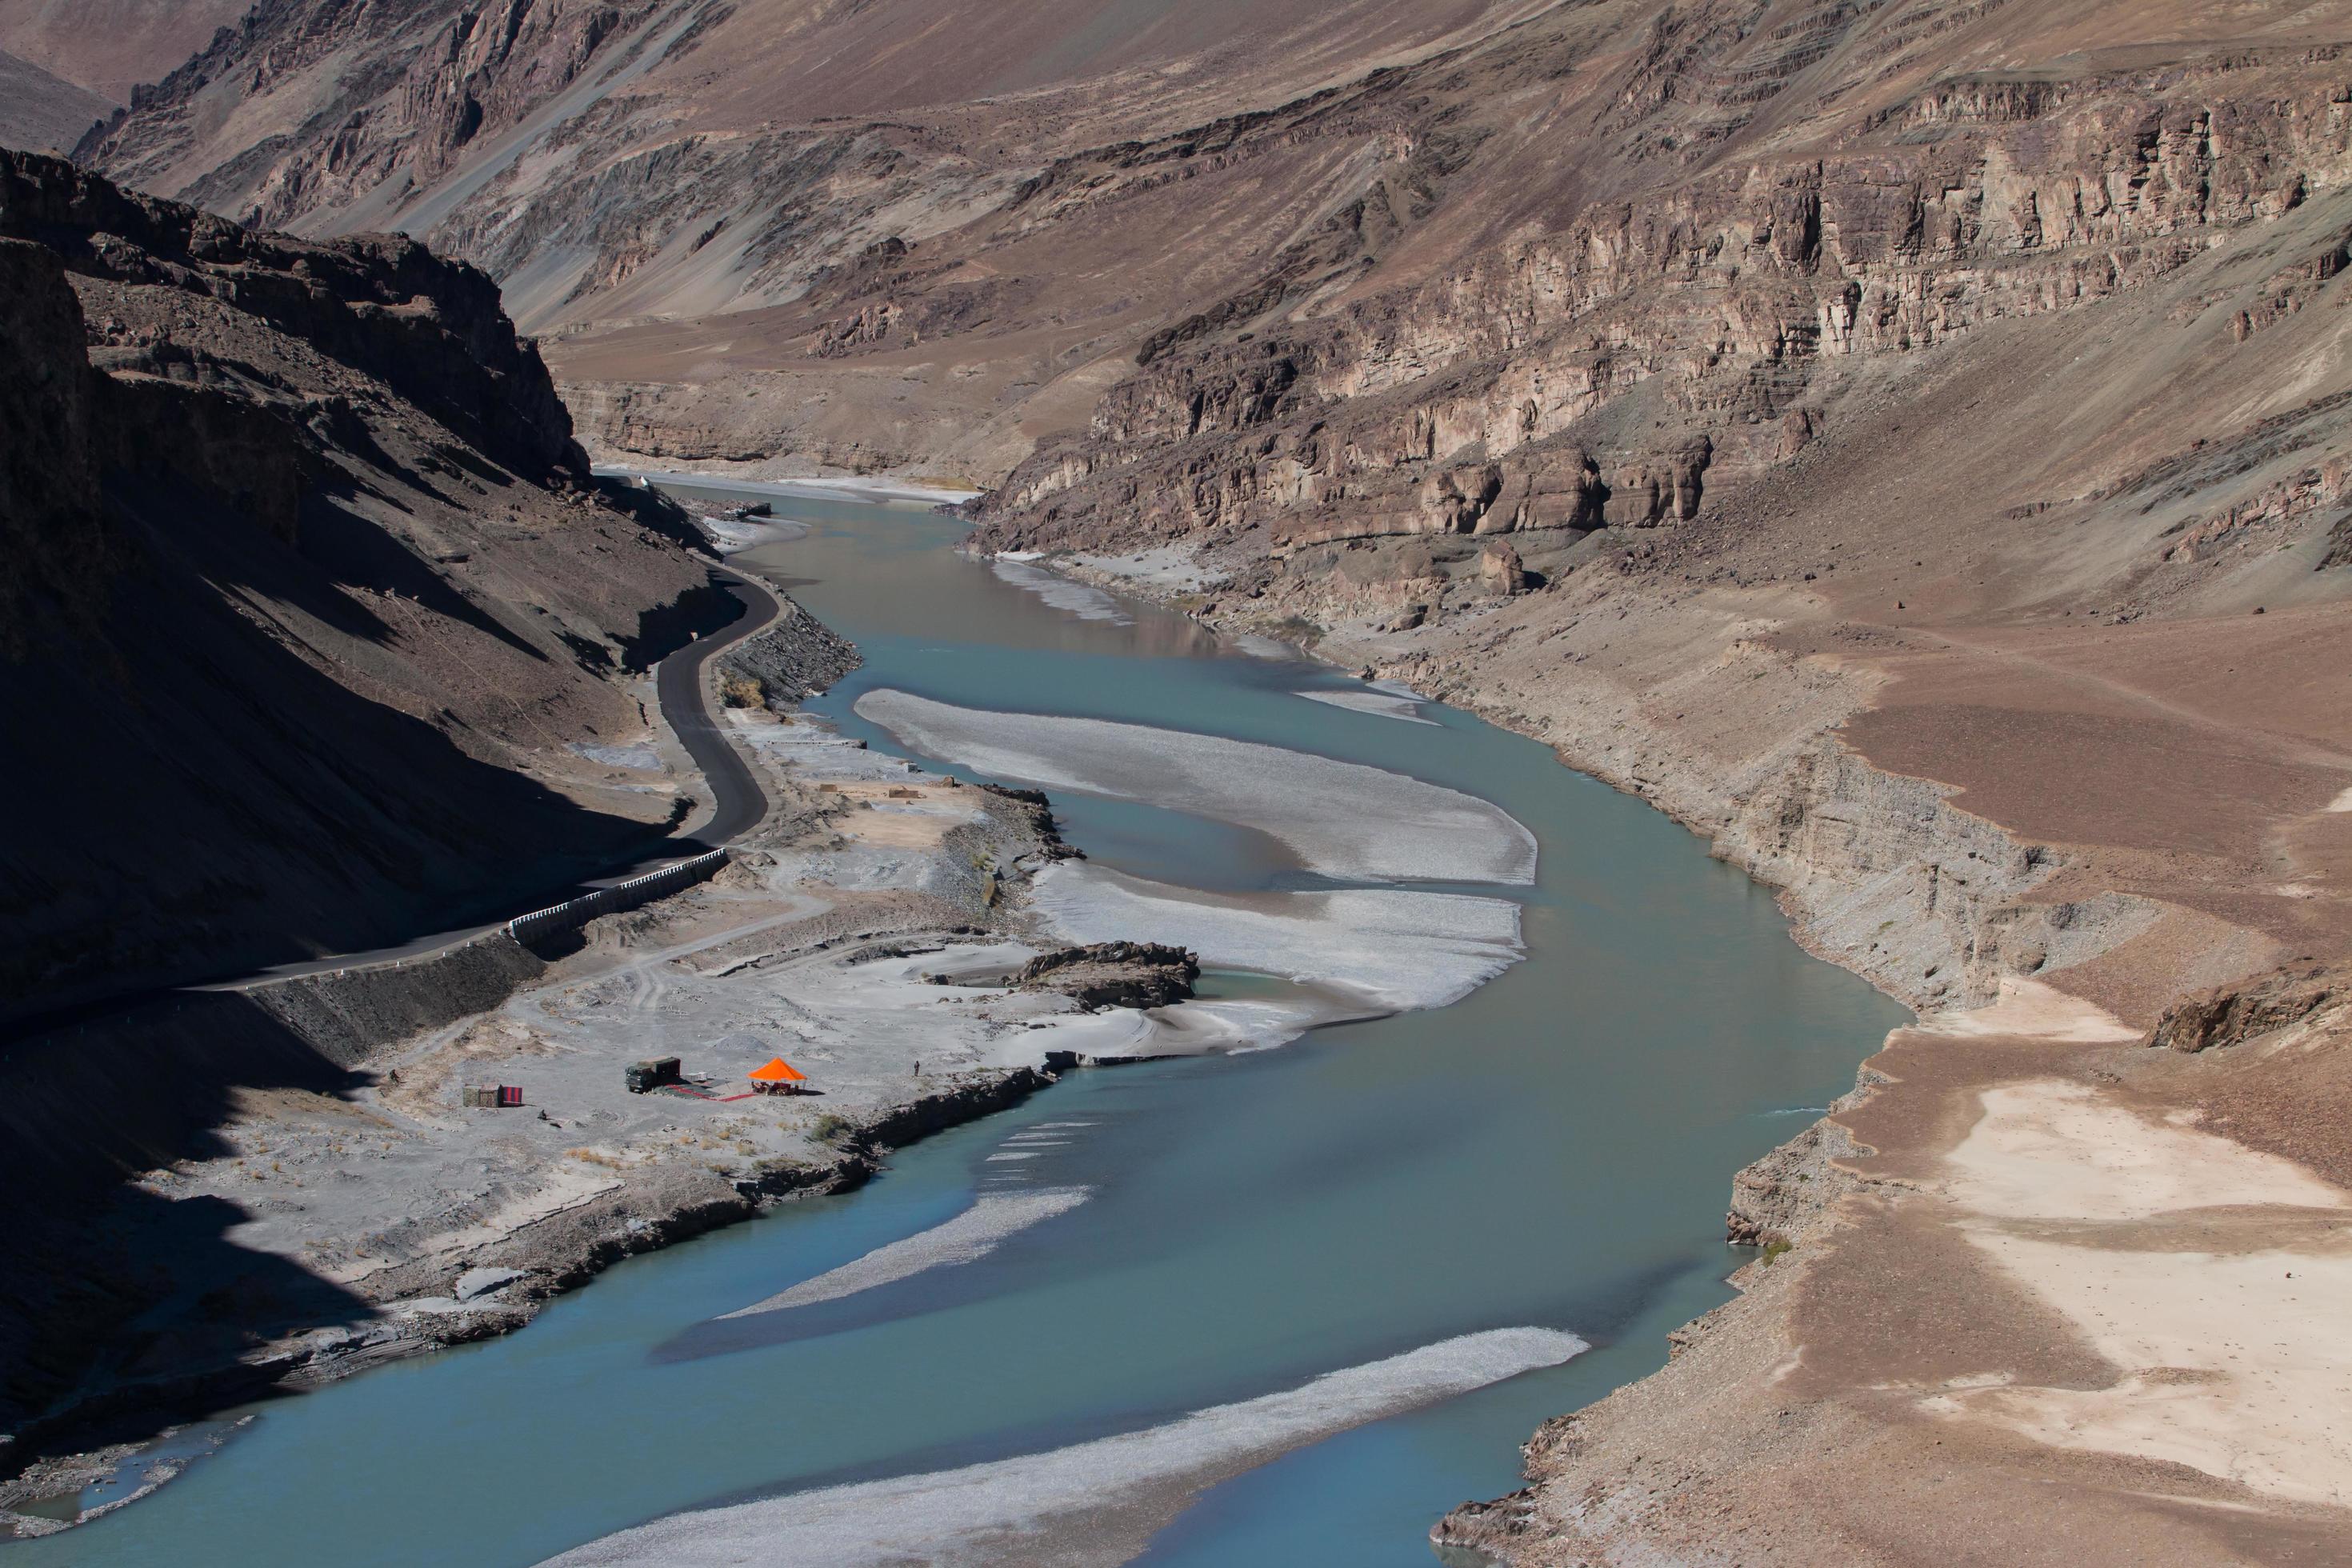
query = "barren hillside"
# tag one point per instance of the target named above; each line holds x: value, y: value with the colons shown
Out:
x: 109, y: 47
x: 43, y: 112
x: 1906, y: 441
x: 306, y: 548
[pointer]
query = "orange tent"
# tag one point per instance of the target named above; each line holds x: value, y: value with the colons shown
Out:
x: 777, y: 1071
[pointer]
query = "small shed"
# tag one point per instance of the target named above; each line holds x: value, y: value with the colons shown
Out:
x: 777, y: 1076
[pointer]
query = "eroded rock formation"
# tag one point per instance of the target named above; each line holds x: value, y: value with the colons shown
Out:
x: 1113, y: 973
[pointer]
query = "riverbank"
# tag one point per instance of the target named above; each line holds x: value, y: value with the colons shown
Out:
x: 2042, y: 841
x: 1195, y: 1239
x: 363, y: 1211
x: 756, y: 477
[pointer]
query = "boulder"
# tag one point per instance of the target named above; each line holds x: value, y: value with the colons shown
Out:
x: 1500, y: 571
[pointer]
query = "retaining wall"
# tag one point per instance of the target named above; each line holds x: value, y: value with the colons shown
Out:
x: 634, y: 894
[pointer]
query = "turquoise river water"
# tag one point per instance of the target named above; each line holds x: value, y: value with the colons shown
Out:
x: 1554, y: 1151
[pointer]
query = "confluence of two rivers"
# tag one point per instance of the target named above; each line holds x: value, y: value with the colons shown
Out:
x: 1552, y: 1151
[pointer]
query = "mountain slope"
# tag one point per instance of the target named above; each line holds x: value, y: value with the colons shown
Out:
x: 43, y: 112
x: 730, y: 169
x: 310, y: 591
x: 109, y: 47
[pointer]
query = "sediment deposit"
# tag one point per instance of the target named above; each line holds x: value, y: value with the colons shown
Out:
x: 362, y: 1210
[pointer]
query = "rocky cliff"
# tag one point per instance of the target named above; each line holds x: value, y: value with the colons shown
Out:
x: 1522, y: 269
x: 310, y: 590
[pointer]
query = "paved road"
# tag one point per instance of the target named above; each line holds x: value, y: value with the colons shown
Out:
x: 677, y: 687
x: 677, y: 684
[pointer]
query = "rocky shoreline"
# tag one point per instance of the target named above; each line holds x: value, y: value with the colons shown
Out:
x: 539, y: 1261
x: 2039, y: 970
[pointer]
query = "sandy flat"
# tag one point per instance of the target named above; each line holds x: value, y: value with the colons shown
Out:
x: 1095, y: 1502
x: 2239, y: 1365
x: 2050, y: 1149
x: 2031, y: 1007
x: 1344, y: 819
x: 1391, y: 950
x: 2230, y: 1335
x: 1080, y: 599
x: 905, y: 817
x: 1370, y: 699
x: 973, y: 1233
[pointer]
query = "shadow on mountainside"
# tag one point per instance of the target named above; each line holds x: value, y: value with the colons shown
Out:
x: 210, y: 801
x: 136, y: 1305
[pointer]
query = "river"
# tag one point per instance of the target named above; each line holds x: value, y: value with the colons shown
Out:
x: 1552, y: 1152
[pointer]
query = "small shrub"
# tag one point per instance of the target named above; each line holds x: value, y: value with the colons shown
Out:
x: 742, y: 691
x: 828, y: 1128
x: 1773, y: 1249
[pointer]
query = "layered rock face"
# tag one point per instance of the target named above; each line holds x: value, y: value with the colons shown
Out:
x: 1603, y: 371
x: 431, y: 330
x: 306, y: 572
x: 1533, y: 273
x: 821, y: 195
x: 432, y: 79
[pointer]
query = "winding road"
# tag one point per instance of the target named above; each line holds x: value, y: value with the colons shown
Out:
x: 738, y: 805
x: 738, y: 802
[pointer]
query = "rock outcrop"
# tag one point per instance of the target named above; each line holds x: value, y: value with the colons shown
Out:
x: 1113, y: 973
x: 433, y: 78
x: 2230, y: 1014
x: 797, y: 657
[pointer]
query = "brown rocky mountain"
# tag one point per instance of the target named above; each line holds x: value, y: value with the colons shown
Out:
x: 111, y: 47
x: 43, y: 112
x: 789, y: 180
x: 301, y: 542
x: 1906, y: 441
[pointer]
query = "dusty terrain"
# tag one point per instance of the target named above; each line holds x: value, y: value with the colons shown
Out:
x: 870, y: 930
x: 41, y: 112
x: 1905, y: 443
x: 1998, y: 619
x: 2038, y: 1291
